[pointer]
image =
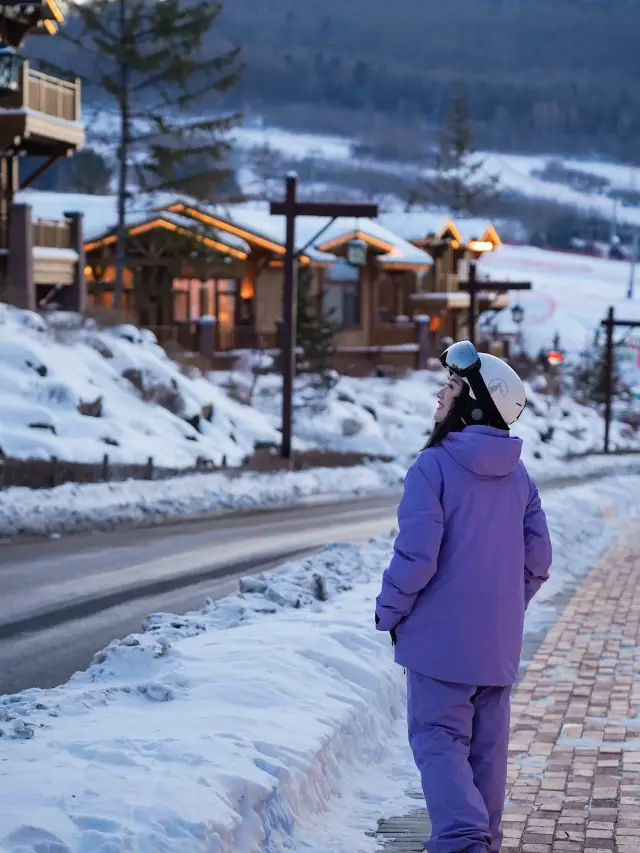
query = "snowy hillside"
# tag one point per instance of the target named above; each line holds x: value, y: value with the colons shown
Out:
x: 518, y: 174
x: 392, y: 417
x: 77, y: 393
x: 570, y: 295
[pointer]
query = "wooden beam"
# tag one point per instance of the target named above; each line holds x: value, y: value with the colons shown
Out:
x: 41, y: 170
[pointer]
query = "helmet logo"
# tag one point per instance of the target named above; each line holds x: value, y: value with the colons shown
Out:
x: 498, y: 387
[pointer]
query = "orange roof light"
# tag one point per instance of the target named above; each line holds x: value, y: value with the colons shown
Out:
x: 50, y: 26
x: 222, y: 225
x: 55, y: 10
x: 169, y: 226
x: 356, y: 235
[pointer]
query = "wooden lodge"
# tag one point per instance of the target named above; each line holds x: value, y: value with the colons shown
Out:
x: 186, y: 261
x: 40, y: 116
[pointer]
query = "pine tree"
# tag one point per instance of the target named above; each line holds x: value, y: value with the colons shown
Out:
x: 149, y: 71
x: 591, y: 379
x: 315, y: 334
x: 460, y: 182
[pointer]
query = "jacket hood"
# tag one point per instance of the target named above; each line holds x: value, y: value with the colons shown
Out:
x: 483, y: 450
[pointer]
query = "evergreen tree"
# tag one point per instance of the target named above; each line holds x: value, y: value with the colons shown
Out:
x: 149, y: 68
x: 460, y: 182
x: 591, y: 379
x: 315, y: 334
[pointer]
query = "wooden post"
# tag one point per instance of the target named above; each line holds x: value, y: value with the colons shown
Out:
x: 289, y: 316
x: 54, y: 472
x: 150, y: 468
x: 609, y: 325
x: 105, y: 468
x: 472, y: 303
x: 291, y: 208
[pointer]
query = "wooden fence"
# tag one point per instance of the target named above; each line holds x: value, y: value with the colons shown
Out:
x: 49, y: 473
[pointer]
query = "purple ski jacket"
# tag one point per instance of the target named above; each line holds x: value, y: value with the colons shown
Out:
x: 473, y: 549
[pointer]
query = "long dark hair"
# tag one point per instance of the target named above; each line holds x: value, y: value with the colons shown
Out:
x: 452, y: 423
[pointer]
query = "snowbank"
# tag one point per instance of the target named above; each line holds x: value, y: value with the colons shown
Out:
x: 76, y: 507
x: 77, y: 392
x: 227, y: 729
x: 391, y: 417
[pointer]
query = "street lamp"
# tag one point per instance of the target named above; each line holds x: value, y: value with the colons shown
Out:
x: 517, y: 314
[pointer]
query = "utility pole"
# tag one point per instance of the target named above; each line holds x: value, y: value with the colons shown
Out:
x: 610, y: 324
x: 634, y: 261
x: 473, y: 287
x: 290, y: 208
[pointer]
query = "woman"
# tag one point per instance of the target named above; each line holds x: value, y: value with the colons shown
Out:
x: 473, y: 549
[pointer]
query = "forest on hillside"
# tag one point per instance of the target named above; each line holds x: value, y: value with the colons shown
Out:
x: 541, y: 75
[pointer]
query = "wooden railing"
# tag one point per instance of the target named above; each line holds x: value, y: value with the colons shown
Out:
x: 51, y: 234
x: 43, y: 93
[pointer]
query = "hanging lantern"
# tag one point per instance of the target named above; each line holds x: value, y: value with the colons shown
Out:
x: 10, y: 71
x: 356, y: 253
x: 517, y: 314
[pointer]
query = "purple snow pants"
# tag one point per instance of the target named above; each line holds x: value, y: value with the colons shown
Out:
x: 460, y: 739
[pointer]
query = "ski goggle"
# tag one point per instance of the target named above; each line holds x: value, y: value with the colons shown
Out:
x: 461, y: 358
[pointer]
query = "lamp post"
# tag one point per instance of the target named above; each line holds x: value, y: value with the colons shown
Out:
x: 517, y: 315
x: 291, y: 208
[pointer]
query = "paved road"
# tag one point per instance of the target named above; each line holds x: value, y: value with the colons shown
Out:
x: 63, y: 600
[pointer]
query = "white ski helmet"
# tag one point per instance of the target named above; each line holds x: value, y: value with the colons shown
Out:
x: 492, y: 383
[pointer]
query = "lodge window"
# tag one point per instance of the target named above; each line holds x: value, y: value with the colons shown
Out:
x: 342, y: 302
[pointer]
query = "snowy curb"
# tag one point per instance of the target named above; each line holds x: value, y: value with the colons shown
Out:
x: 227, y: 729
x: 105, y: 506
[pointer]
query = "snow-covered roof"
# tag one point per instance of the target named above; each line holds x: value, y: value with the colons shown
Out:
x: 246, y: 221
x: 415, y: 225
x: 167, y: 218
x: 316, y: 235
x: 255, y: 221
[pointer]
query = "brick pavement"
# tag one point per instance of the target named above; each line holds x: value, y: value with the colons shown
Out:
x: 574, y: 771
x: 574, y: 776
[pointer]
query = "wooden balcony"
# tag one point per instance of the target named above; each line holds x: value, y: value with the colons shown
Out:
x: 50, y: 234
x: 53, y: 259
x: 43, y: 112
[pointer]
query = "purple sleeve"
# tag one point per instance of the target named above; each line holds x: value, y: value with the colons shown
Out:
x: 416, y: 548
x: 537, y: 545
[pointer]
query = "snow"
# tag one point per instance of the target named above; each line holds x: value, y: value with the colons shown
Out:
x: 391, y: 417
x: 570, y: 294
x: 51, y: 375
x: 68, y: 392
x: 199, y: 736
x: 47, y: 253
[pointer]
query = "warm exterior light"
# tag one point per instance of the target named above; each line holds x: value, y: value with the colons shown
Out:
x: 169, y: 226
x: 247, y: 290
x: 517, y: 314
x: 555, y: 358
x: 353, y: 236
x: 227, y: 227
x: 55, y: 11
x: 480, y: 246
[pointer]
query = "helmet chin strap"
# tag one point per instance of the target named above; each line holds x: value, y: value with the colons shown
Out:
x: 481, y: 412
